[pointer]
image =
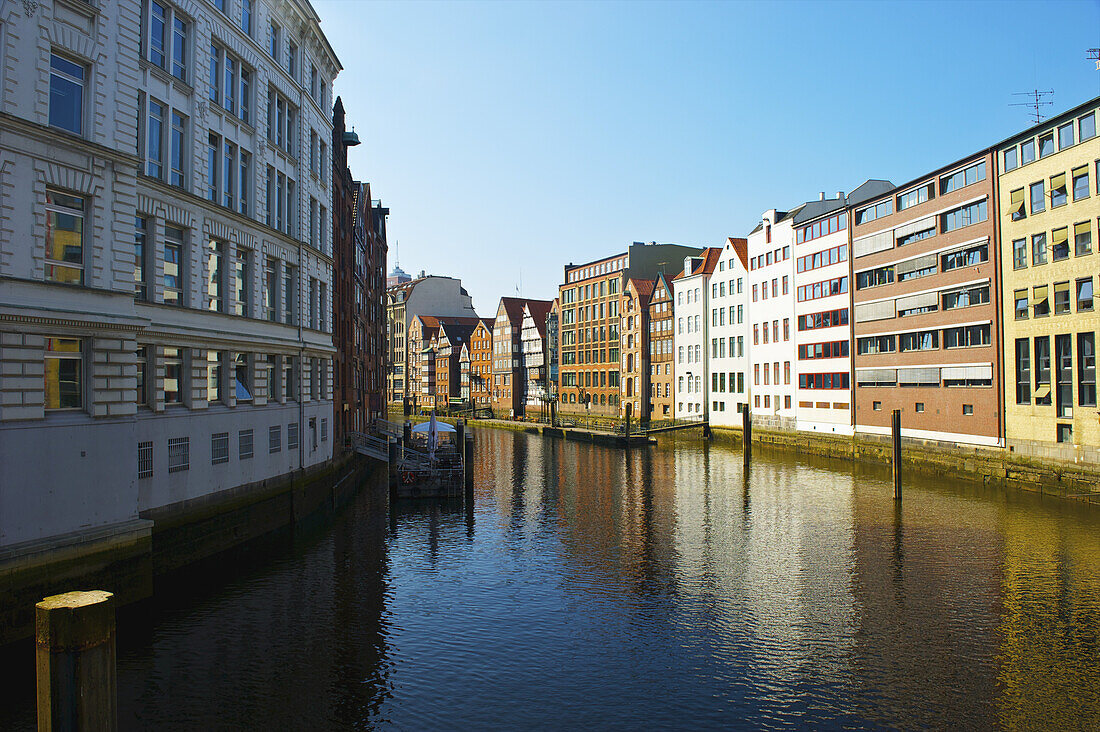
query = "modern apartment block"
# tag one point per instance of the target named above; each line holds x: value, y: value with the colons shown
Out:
x: 662, y: 352
x: 729, y: 329
x: 634, y: 389
x: 1049, y: 216
x: 425, y: 295
x: 590, y: 298
x: 166, y: 258
x: 773, y: 356
x: 823, y: 400
x: 925, y: 306
x: 691, y: 288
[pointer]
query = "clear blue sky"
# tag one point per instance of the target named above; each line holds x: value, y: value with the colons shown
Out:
x: 511, y: 138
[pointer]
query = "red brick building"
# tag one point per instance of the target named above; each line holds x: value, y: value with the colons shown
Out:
x: 481, y: 364
x: 359, y: 266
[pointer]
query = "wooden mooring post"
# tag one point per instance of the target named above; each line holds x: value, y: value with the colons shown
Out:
x: 75, y: 661
x: 407, y: 433
x: 896, y: 452
x: 394, y: 463
x: 746, y: 434
x: 468, y: 466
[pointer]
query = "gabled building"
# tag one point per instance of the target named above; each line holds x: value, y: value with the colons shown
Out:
x: 729, y: 324
x: 450, y: 340
x: 481, y: 364
x: 662, y: 351
x: 691, y: 288
x: 425, y: 335
x: 536, y: 361
x: 509, y: 371
x: 634, y: 389
x: 773, y: 356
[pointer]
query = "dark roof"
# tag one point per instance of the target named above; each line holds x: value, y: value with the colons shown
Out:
x: 779, y: 216
x: 741, y: 248
x: 813, y: 209
x: 872, y: 188
x: 539, y: 309
x: 709, y: 257
x: 459, y: 332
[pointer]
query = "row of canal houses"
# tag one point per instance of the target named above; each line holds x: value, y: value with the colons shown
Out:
x: 963, y: 297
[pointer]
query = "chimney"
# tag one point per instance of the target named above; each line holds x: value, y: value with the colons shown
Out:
x: 840, y: 195
x: 822, y: 196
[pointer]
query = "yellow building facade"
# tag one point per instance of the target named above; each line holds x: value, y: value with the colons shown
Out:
x: 1049, y: 222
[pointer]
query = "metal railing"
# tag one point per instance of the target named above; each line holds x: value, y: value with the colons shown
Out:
x: 369, y: 445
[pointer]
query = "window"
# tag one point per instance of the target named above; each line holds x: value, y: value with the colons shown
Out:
x: 1058, y: 195
x: 1010, y: 159
x: 968, y: 176
x: 1027, y: 152
x: 968, y: 409
x: 245, y: 171
x: 154, y: 140
x: 281, y: 122
x: 1080, y: 183
x: 244, y: 444
x: 877, y: 211
x: 1040, y: 305
x: 928, y: 340
x: 1016, y: 205
x: 273, y: 42
x: 177, y: 150
x: 242, y: 377
x: 968, y: 336
x: 246, y: 17
x: 963, y: 216
x: 1065, y: 135
x: 241, y: 276
x: 216, y: 271
x: 145, y: 460
x: 1065, y: 433
x: 271, y: 288
x: 1086, y: 369
x: 292, y: 436
x: 874, y: 277
x: 1019, y: 254
x: 214, y: 361
x: 1042, y: 370
x: 1061, y: 298
x: 1020, y: 297
x: 64, y: 365
x: 1039, y: 249
x: 292, y: 59
x: 1087, y: 126
x: 1059, y: 244
x: 142, y: 387
x: 179, y: 458
x: 966, y: 298
x: 275, y: 438
x: 324, y: 429
x: 173, y: 376
x: 1082, y: 238
x: 172, y: 283
x: 1084, y: 295
x: 915, y: 196
x: 67, y: 94
x: 64, y: 237
x: 1038, y: 197
x: 219, y: 448
x: 964, y: 257
x: 1023, y: 371
x: 1046, y: 144
x: 876, y: 344
x: 141, y: 290
x: 213, y: 148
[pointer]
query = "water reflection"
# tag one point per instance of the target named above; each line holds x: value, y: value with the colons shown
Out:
x: 652, y: 588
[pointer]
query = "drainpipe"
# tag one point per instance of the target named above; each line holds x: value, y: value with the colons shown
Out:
x: 301, y: 360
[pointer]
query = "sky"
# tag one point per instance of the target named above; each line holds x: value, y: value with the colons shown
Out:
x: 509, y: 138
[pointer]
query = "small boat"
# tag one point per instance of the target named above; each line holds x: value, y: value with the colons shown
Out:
x: 431, y: 466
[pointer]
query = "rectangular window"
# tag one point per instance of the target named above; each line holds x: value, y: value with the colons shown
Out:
x: 242, y: 278
x: 273, y: 42
x: 964, y: 216
x: 1038, y: 197
x: 1087, y: 126
x: 1027, y: 152
x: 173, y: 266
x: 274, y: 438
x: 229, y: 174
x: 967, y: 297
x: 1086, y: 369
x: 219, y: 448
x: 1023, y: 371
x: 1082, y: 238
x: 1061, y: 298
x: 1065, y: 135
x: 246, y: 16
x: 1058, y: 193
x: 271, y: 288
x: 1046, y: 144
x: 1042, y: 370
x: 292, y: 436
x: 1080, y: 182
x: 213, y: 148
x: 1084, y: 295
x: 67, y: 94
x: 242, y: 376
x: 963, y: 178
x: 173, y: 376
x: 142, y: 387
x: 141, y: 285
x: 64, y: 366
x: 145, y: 460
x: 244, y: 444
x: 1016, y: 207
x: 177, y: 152
x: 154, y: 139
x: 216, y: 270
x: 968, y: 257
x: 1063, y: 362
x: 179, y: 454
x: 1019, y: 254
x: 64, y: 237
x: 245, y: 168
x: 1039, y: 249
x: 1010, y: 159
x: 916, y: 196
x: 969, y: 336
x: 1022, y: 305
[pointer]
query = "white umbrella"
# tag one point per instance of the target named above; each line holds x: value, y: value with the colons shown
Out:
x: 433, y: 435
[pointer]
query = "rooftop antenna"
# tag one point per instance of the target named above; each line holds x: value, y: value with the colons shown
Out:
x: 1094, y: 55
x: 1035, y: 103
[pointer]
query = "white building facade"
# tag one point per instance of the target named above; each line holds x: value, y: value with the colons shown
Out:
x: 691, y: 290
x: 823, y: 401
x: 772, y: 315
x: 165, y: 311
x: 728, y: 331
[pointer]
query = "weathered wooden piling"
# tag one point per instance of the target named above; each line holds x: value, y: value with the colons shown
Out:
x: 896, y: 439
x: 460, y: 433
x: 407, y: 433
x: 75, y: 661
x: 746, y: 434
x: 395, y: 462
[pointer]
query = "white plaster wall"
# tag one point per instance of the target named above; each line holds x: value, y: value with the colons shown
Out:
x: 766, y: 311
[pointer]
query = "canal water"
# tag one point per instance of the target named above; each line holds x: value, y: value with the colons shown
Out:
x: 591, y: 587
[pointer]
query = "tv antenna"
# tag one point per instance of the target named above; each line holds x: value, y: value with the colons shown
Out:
x: 1036, y: 103
x: 1094, y: 55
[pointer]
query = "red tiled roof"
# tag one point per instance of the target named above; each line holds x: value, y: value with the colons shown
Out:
x: 644, y: 288
x: 741, y: 248
x: 710, y: 257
